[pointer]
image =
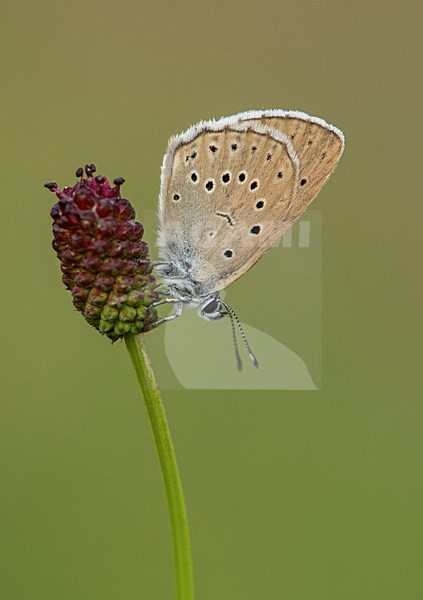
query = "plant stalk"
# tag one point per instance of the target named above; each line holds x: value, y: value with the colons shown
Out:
x: 175, y: 499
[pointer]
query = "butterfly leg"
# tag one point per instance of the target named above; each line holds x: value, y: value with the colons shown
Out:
x: 177, y: 311
x: 165, y: 292
x: 166, y: 301
x: 153, y: 263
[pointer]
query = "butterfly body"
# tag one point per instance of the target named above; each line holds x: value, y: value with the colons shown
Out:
x: 229, y: 190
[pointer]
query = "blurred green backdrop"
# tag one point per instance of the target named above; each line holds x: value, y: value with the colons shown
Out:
x: 300, y: 495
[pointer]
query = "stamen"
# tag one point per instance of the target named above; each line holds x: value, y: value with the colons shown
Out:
x: 52, y: 185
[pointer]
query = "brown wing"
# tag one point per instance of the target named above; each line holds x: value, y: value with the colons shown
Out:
x: 226, y: 190
x: 318, y: 145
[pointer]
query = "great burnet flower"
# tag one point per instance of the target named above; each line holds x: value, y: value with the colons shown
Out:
x: 103, y: 258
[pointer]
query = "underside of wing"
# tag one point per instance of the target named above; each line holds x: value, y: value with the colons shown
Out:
x: 226, y: 189
x: 318, y: 145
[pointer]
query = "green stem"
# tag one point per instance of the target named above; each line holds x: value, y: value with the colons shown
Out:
x: 170, y: 473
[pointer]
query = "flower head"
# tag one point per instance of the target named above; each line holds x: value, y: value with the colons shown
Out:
x: 103, y: 259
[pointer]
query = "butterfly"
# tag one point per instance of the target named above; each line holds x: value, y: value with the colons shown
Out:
x: 230, y: 188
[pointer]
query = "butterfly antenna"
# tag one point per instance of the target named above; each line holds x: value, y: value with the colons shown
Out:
x: 233, y: 315
x: 238, y: 358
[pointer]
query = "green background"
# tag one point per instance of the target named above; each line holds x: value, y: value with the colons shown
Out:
x: 300, y: 495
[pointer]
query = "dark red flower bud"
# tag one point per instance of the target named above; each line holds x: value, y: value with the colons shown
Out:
x: 102, y: 255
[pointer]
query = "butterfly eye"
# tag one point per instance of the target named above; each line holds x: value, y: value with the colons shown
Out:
x: 211, y: 307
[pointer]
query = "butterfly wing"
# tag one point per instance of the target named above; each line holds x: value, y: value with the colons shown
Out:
x: 318, y: 145
x: 226, y: 190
